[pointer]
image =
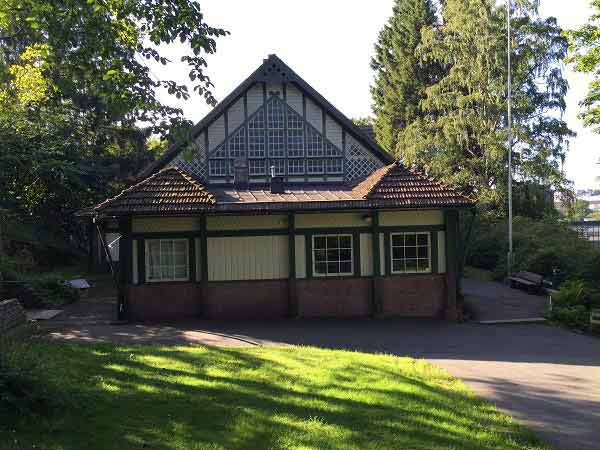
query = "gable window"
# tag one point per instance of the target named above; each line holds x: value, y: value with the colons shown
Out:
x: 314, y: 166
x: 332, y: 255
x: 295, y: 166
x: 295, y: 137
x: 218, y: 167
x: 335, y: 166
x: 314, y: 143
x: 257, y: 167
x: 167, y: 260
x: 276, y: 144
x: 237, y: 144
x: 411, y: 252
x: 256, y: 136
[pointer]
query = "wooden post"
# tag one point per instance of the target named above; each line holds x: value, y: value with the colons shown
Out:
x: 451, y: 219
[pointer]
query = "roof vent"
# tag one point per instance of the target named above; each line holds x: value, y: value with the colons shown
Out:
x: 277, y: 186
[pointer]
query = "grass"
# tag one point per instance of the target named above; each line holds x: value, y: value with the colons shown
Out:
x: 190, y: 398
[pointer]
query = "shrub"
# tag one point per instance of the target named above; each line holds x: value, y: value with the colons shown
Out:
x: 53, y: 291
x: 539, y: 246
x: 571, y: 316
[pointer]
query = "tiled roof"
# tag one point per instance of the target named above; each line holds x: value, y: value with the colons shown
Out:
x: 405, y: 187
x: 169, y: 190
x: 393, y: 186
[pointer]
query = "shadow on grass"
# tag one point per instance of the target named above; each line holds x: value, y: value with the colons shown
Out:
x: 223, y: 398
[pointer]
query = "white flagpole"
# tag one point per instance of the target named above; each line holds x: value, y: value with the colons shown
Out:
x: 509, y: 120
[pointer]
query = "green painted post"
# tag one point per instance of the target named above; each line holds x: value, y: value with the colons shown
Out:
x: 451, y: 219
x: 377, y: 306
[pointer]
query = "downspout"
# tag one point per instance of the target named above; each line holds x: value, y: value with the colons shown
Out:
x: 120, y: 299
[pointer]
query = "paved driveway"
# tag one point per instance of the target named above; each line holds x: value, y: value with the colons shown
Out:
x: 546, y: 377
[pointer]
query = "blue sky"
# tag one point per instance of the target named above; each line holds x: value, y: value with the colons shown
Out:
x: 330, y: 43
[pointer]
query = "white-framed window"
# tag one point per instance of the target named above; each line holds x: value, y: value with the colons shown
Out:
x: 295, y: 166
x: 167, y: 260
x: 332, y: 255
x: 314, y: 166
x: 410, y: 252
x: 218, y: 167
x: 257, y: 167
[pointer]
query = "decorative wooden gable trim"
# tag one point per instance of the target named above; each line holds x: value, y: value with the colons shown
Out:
x: 274, y: 80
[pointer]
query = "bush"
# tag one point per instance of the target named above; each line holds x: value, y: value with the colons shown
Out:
x: 53, y: 291
x: 539, y: 246
x: 577, y: 317
x: 24, y: 390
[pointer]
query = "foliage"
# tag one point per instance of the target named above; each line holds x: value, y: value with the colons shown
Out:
x: 577, y: 317
x: 584, y: 46
x: 24, y: 386
x: 578, y: 209
x: 400, y: 77
x: 540, y: 246
x: 260, y: 397
x: 75, y: 83
x: 54, y: 291
x: 362, y: 121
x: 458, y: 132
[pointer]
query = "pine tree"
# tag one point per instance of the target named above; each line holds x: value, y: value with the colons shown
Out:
x: 400, y: 78
x: 461, y: 135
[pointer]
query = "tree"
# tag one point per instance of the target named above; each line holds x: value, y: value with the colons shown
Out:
x: 578, y: 209
x: 75, y: 85
x: 584, y: 46
x: 400, y: 76
x: 461, y: 135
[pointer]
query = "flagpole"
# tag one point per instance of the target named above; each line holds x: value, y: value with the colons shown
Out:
x: 509, y: 120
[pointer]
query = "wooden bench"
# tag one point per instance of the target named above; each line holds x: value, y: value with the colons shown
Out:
x: 531, y: 282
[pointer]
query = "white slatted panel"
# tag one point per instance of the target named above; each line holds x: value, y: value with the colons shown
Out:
x: 216, y: 133
x: 314, y: 115
x: 235, y: 115
x: 254, y: 98
x: 247, y: 258
x: 334, y: 132
x: 294, y: 98
x: 441, y: 251
x: 366, y: 254
x: 300, y: 256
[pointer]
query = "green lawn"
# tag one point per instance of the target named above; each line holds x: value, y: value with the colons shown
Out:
x: 260, y: 398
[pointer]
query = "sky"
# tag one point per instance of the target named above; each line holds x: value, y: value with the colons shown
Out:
x: 330, y: 43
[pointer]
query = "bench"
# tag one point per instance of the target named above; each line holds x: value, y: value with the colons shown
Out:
x: 531, y: 282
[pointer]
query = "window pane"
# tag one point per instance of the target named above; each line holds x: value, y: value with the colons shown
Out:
x: 398, y: 240
x: 422, y: 239
x: 320, y: 242
x: 320, y: 255
x: 423, y: 252
x: 333, y: 267
x: 398, y: 266
x: 345, y: 242
x: 332, y: 241
x: 410, y: 252
x: 411, y: 265
x: 346, y: 255
x: 321, y: 268
x: 333, y: 254
x: 410, y: 239
x: 346, y: 267
x: 397, y: 252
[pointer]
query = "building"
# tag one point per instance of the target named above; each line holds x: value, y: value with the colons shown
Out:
x: 280, y: 206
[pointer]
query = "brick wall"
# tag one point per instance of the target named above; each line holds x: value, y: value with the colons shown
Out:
x: 11, y: 314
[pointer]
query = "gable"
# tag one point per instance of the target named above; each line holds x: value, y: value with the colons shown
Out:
x: 275, y: 119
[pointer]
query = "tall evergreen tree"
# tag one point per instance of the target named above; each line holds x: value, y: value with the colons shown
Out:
x: 400, y: 77
x: 461, y: 136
